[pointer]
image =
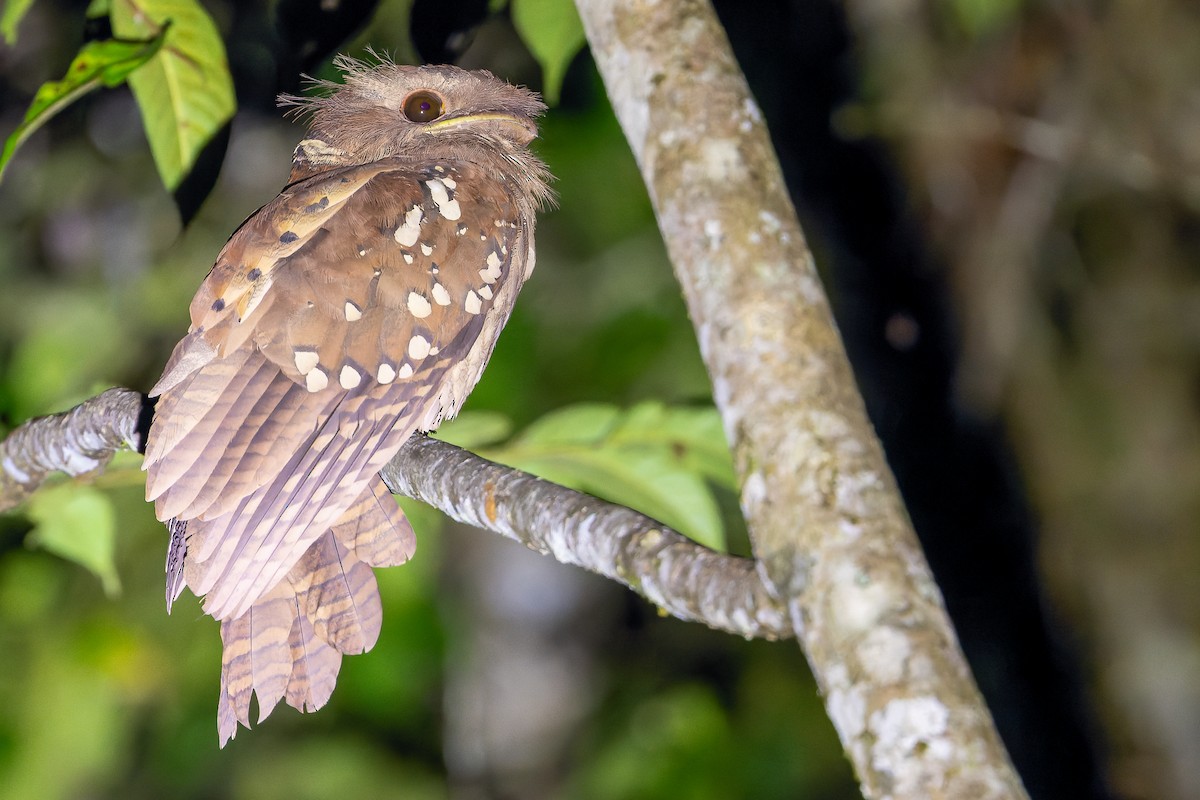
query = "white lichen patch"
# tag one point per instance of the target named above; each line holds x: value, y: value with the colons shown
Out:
x: 853, y: 490
x: 847, y: 710
x: 754, y: 492
x: 748, y: 116
x: 771, y: 223
x: 850, y: 531
x: 883, y: 655
x: 901, y: 729
x: 721, y: 160
x: 714, y: 234
x: 856, y: 603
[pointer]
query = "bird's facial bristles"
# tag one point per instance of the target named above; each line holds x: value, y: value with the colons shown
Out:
x: 381, y: 85
x: 477, y: 117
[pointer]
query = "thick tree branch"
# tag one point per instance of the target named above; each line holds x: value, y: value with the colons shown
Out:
x: 686, y: 580
x: 669, y: 570
x: 827, y: 523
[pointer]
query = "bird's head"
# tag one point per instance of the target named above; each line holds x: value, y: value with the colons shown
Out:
x: 385, y: 110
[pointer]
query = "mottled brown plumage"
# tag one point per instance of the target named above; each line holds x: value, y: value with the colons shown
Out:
x: 358, y: 306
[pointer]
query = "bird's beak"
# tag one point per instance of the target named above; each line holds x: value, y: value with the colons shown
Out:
x: 511, y: 126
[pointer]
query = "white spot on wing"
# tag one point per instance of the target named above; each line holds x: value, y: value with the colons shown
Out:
x: 306, y: 360
x: 385, y: 374
x: 441, y: 198
x: 427, y: 249
x: 440, y: 295
x: 418, y: 306
x: 406, y: 234
x: 408, y: 257
x: 472, y: 304
x: 450, y: 183
x: 406, y: 371
x: 418, y: 347
x: 349, y: 377
x: 353, y: 312
x: 492, y: 271
x: 316, y: 379
x: 485, y: 292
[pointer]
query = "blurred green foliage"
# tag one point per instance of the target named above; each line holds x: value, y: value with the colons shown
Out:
x: 552, y: 31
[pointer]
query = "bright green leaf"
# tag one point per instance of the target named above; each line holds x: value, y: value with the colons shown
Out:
x: 185, y: 93
x: 102, y: 63
x: 695, y: 436
x: 77, y: 523
x: 476, y: 429
x: 585, y: 423
x: 553, y: 33
x: 10, y: 18
x: 652, y: 458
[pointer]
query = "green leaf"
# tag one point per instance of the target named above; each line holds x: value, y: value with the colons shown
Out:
x: 10, y: 18
x: 476, y: 429
x: 77, y: 523
x: 652, y: 458
x: 586, y: 423
x: 982, y: 18
x: 102, y: 63
x: 694, y: 435
x: 185, y: 93
x: 553, y: 33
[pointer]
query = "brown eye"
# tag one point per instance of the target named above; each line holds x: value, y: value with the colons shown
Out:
x: 423, y: 106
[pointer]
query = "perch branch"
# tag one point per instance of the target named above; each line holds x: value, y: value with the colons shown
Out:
x: 669, y: 570
x: 75, y: 442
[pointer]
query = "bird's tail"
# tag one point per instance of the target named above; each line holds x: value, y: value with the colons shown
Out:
x: 289, y: 644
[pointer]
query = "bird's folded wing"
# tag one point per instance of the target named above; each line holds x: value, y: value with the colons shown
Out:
x: 320, y: 342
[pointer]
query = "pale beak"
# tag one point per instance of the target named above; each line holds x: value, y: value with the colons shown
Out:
x: 511, y: 126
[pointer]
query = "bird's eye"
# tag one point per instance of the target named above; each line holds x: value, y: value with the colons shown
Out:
x: 423, y: 106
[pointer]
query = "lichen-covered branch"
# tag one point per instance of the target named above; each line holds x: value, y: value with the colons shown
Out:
x: 688, y: 581
x: 669, y: 570
x: 827, y: 523
x: 75, y: 442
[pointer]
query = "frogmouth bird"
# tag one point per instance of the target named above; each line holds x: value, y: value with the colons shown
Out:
x: 357, y: 307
